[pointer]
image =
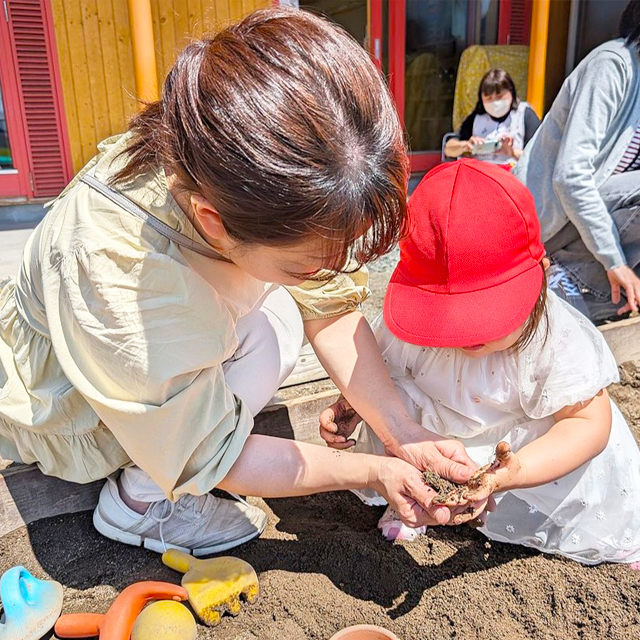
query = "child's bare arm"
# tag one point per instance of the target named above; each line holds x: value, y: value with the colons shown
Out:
x: 580, y: 433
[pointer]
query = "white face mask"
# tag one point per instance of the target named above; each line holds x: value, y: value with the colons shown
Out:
x: 498, y: 108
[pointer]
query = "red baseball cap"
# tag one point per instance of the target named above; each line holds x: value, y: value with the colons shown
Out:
x: 469, y: 269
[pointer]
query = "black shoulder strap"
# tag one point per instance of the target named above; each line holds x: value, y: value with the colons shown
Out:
x: 162, y: 228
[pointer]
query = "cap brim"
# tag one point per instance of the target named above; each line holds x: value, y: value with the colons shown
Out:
x: 431, y: 319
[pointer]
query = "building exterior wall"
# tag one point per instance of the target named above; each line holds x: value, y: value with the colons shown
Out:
x: 176, y: 22
x: 93, y: 40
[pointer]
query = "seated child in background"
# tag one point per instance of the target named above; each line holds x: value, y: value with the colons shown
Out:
x: 481, y: 351
x: 500, y: 117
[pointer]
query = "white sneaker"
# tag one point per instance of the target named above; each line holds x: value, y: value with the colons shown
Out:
x: 200, y: 525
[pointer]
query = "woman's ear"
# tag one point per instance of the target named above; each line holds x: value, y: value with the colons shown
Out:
x: 546, y: 263
x: 209, y: 221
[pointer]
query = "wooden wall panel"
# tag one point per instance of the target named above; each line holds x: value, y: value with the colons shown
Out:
x: 177, y: 22
x: 165, y: 34
x: 96, y: 64
x: 98, y: 84
x: 94, y: 47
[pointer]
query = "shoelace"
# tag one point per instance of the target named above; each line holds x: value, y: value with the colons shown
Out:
x: 162, y: 520
x: 197, y: 503
x: 560, y: 278
x: 240, y: 499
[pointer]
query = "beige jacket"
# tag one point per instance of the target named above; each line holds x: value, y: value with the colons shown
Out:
x: 112, y: 340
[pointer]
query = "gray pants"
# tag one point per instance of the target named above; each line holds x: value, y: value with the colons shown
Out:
x: 621, y: 195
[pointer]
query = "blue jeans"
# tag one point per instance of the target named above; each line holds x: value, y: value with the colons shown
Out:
x: 621, y: 195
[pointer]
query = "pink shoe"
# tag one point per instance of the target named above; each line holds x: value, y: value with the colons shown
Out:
x: 635, y: 566
x: 392, y: 528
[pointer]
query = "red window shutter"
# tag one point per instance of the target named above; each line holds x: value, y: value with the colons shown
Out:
x: 514, y: 22
x: 34, y: 51
x: 520, y: 22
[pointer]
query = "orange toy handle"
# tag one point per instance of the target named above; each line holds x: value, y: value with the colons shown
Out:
x: 78, y: 625
x: 118, y: 622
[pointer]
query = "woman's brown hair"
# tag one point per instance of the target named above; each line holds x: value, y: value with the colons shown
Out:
x: 284, y: 125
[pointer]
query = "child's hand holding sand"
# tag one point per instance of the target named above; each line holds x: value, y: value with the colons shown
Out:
x: 579, y: 434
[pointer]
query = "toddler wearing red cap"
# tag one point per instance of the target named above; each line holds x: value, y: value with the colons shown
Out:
x: 480, y: 351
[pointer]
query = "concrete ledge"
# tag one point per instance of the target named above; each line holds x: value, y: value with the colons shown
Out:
x: 12, y: 243
x: 23, y: 216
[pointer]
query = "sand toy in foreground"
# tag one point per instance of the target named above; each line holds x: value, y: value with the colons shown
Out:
x: 30, y: 606
x: 118, y: 622
x: 165, y: 620
x: 216, y: 585
x: 451, y: 493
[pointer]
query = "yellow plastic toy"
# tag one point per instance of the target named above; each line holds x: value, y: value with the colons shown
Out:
x: 165, y: 620
x: 216, y: 585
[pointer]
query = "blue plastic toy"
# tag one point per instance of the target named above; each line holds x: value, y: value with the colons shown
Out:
x: 30, y: 606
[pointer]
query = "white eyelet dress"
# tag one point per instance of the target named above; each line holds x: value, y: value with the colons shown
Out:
x: 591, y: 515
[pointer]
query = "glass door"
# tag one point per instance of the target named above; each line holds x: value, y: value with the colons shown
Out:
x: 349, y: 14
x: 14, y: 172
x: 425, y: 39
x: 437, y: 32
x: 417, y: 44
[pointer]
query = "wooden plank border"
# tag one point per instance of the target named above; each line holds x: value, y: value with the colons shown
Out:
x: 296, y: 419
x: 307, y: 369
x: 623, y: 338
x: 27, y: 495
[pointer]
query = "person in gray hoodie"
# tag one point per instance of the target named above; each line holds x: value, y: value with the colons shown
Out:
x: 583, y: 169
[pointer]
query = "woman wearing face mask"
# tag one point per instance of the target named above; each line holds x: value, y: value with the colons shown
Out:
x: 500, y: 117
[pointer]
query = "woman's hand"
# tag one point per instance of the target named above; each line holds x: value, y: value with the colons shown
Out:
x: 507, y: 146
x: 474, y: 140
x: 337, y: 423
x: 454, y: 147
x: 425, y: 451
x: 413, y: 443
x: 404, y: 489
x: 624, y: 278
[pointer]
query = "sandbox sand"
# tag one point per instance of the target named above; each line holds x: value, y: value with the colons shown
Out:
x: 322, y: 566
